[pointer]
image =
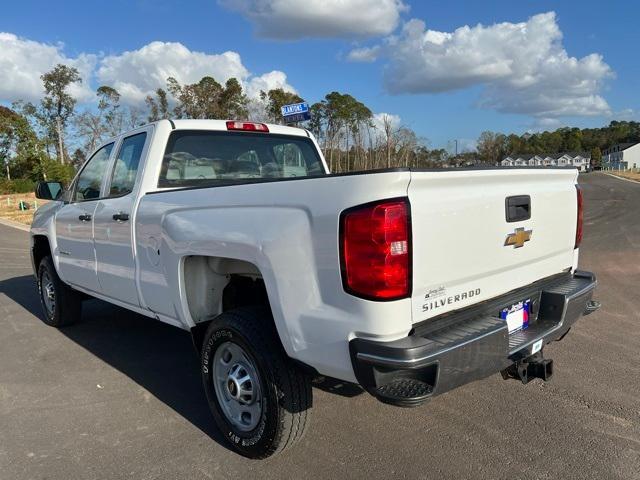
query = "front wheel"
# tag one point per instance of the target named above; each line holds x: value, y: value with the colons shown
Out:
x: 61, y: 304
x: 259, y: 399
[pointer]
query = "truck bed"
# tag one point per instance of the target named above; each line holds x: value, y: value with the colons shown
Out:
x: 289, y: 230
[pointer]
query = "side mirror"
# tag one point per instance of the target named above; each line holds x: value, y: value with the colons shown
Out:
x: 48, y: 190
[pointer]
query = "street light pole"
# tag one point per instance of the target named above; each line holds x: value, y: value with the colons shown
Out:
x: 455, y: 140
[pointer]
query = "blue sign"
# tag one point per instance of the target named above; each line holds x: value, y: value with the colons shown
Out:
x: 298, y: 117
x: 294, y: 109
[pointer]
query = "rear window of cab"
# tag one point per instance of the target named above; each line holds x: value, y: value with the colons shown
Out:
x: 196, y: 158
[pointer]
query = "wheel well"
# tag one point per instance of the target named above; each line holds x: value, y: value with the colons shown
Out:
x: 214, y: 285
x: 40, y: 249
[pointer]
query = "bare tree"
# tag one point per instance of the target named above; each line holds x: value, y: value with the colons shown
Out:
x: 491, y: 146
x: 58, y: 105
x: 389, y: 137
x: 158, y: 105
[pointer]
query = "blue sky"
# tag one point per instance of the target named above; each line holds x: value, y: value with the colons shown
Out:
x: 590, y: 93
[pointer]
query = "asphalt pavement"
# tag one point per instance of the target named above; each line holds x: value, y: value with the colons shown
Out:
x: 119, y: 396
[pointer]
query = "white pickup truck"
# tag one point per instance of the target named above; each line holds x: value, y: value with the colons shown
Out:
x: 407, y: 282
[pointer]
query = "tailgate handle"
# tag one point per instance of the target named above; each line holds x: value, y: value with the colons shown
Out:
x: 518, y: 208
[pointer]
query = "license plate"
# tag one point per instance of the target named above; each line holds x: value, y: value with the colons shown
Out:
x: 517, y: 315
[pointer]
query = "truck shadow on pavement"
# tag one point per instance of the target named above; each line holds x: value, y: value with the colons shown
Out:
x: 158, y: 357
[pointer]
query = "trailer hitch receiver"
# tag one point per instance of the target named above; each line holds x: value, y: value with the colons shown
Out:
x: 529, y: 368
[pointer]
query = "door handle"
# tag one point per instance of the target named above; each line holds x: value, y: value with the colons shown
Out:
x: 121, y: 217
x: 85, y: 217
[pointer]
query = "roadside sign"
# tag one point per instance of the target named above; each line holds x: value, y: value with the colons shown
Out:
x: 294, y: 108
x: 297, y: 117
x: 296, y: 112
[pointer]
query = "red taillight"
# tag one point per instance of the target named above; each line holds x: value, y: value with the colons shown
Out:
x: 376, y: 250
x: 250, y: 126
x: 580, y: 216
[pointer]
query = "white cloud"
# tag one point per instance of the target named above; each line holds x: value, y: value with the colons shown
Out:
x: 137, y: 73
x: 624, y: 114
x: 266, y: 82
x: 464, y: 145
x: 23, y: 61
x: 381, y: 119
x: 364, y: 54
x: 289, y: 19
x: 523, y: 67
x: 543, y: 123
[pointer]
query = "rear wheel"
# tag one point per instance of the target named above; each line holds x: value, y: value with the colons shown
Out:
x: 259, y: 399
x: 61, y: 304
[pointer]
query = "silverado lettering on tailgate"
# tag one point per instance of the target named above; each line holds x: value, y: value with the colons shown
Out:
x: 441, y: 302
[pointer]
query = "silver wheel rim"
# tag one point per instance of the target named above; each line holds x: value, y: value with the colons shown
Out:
x: 237, y: 386
x: 48, y: 293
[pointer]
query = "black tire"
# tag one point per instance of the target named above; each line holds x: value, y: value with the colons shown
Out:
x: 285, y: 389
x: 67, y: 304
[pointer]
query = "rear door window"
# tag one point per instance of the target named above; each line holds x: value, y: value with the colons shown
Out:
x: 125, y: 168
x: 205, y: 157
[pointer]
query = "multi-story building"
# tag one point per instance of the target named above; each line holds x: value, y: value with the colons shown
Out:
x: 622, y: 156
x: 580, y: 160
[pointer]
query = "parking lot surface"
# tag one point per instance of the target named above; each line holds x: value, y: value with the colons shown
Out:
x: 119, y: 395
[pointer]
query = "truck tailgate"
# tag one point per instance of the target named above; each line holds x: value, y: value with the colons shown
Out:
x: 460, y: 229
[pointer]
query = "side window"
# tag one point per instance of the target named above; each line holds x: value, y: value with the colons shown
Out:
x: 90, y: 179
x: 125, y: 169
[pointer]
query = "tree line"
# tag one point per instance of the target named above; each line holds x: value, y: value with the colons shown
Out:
x: 493, y: 147
x: 344, y: 126
x: 51, y: 138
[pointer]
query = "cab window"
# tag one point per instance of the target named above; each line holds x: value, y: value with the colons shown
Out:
x: 90, y: 179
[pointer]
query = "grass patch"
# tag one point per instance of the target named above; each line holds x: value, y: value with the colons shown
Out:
x: 9, y: 207
x: 630, y: 175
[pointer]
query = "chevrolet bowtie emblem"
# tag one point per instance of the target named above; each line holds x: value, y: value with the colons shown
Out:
x: 518, y: 237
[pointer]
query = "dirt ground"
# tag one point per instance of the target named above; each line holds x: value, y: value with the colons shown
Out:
x: 629, y: 175
x: 9, y: 207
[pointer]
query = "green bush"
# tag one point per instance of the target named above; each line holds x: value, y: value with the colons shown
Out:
x: 19, y: 185
x: 57, y: 172
x: 47, y: 168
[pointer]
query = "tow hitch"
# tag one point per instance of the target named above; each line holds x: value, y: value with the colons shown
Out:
x: 529, y: 368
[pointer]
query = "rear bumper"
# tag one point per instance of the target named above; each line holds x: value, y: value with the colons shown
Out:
x: 471, y: 344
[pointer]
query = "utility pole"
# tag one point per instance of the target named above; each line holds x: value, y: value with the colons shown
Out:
x: 455, y: 141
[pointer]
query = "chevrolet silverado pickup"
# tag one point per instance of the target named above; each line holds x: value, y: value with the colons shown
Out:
x: 407, y: 282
